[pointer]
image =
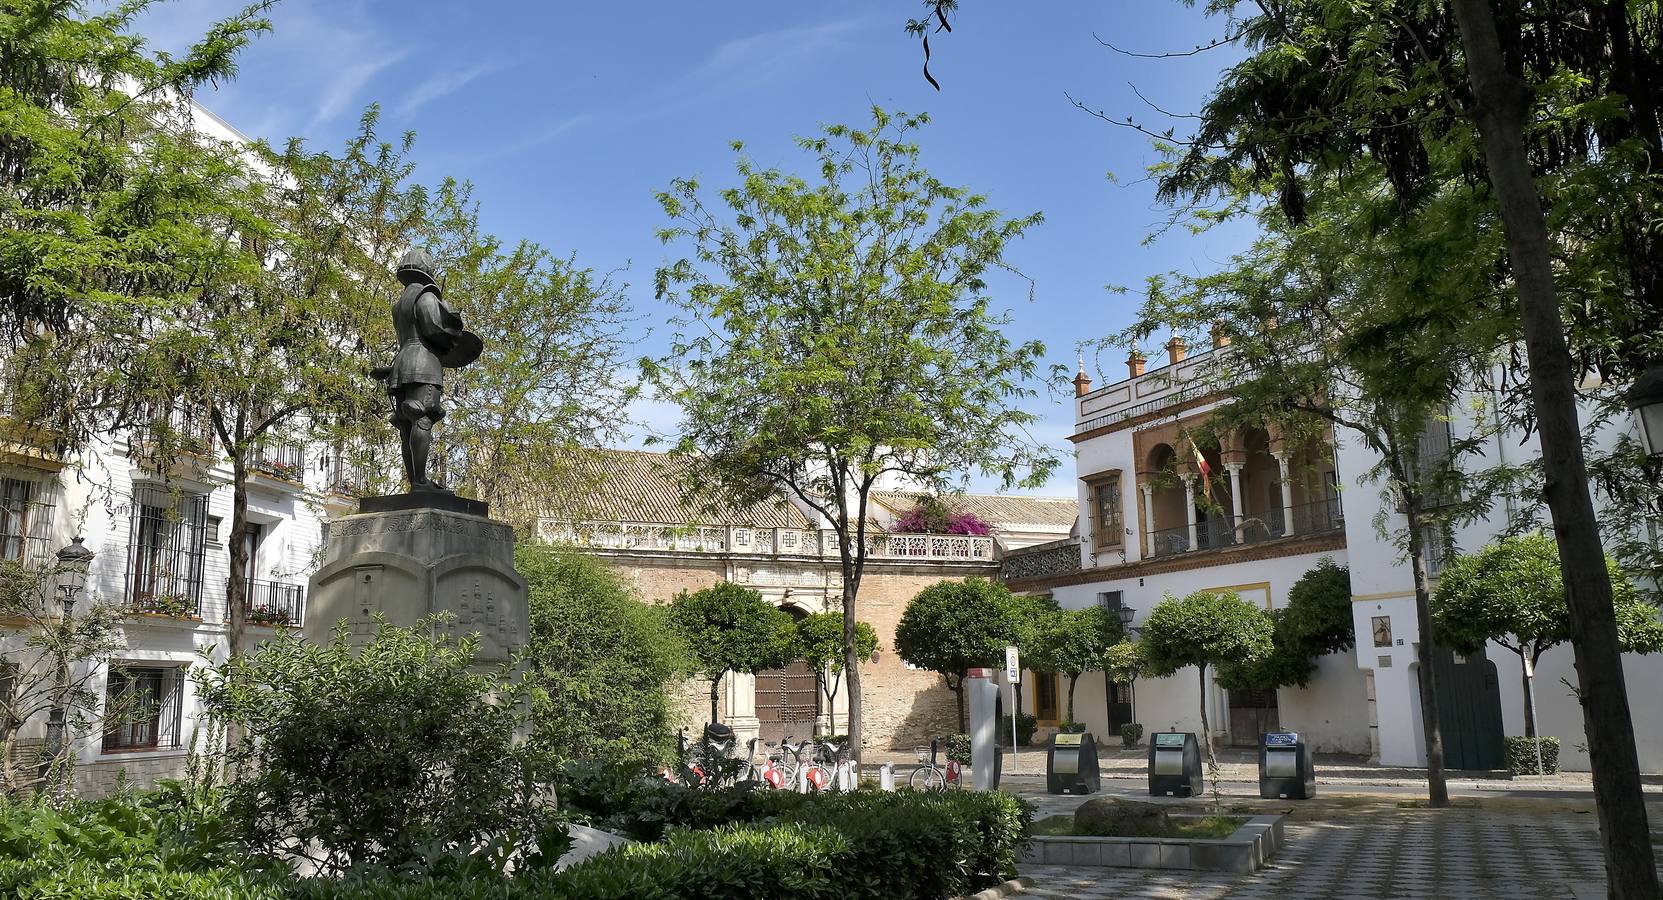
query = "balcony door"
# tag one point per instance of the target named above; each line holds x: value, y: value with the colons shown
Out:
x: 253, y: 534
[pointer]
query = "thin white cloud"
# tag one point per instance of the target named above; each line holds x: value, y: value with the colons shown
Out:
x: 346, y: 85
x: 442, y: 85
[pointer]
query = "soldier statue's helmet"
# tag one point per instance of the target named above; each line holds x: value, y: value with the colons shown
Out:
x: 415, y: 267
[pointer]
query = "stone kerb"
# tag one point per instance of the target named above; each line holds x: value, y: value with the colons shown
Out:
x: 1247, y: 850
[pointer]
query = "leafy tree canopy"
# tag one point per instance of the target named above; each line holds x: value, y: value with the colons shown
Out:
x: 820, y: 640
x: 952, y: 626
x: 730, y: 628
x: 1204, y: 629
x: 600, y: 662
x: 1512, y: 592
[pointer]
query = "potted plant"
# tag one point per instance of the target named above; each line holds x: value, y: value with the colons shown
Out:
x: 166, y: 605
x: 1130, y: 734
x: 268, y: 616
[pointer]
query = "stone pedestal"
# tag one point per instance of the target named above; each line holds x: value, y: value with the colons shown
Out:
x: 412, y: 555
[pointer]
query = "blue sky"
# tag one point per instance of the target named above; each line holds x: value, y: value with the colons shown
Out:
x: 569, y: 116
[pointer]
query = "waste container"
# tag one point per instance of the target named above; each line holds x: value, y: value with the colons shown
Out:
x: 1285, y: 771
x: 1174, y: 765
x: 1071, y: 765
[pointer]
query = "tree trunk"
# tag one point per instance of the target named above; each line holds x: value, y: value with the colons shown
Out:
x: 1437, y: 786
x: 1501, y: 105
x: 851, y: 669
x: 236, y: 585
x: 1206, y: 730
x: 1073, y: 679
x: 1529, y: 695
x: 715, y: 688
x: 958, y: 700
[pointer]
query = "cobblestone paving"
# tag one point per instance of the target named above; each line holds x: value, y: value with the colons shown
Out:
x: 1381, y: 855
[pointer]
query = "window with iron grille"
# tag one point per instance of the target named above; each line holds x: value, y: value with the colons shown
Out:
x: 1433, y: 452
x: 146, y: 702
x: 166, y: 549
x: 1107, y: 523
x: 26, y: 511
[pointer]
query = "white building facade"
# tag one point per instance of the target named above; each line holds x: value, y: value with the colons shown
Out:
x: 1276, y: 510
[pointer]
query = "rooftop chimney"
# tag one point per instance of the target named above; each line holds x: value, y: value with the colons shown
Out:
x: 1082, y: 381
x: 1134, y: 363
x: 1220, y: 339
x: 1175, y: 350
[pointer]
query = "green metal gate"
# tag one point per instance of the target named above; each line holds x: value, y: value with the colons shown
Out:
x: 1469, y: 710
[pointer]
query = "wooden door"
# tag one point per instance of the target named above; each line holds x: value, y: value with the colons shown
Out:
x: 787, y: 701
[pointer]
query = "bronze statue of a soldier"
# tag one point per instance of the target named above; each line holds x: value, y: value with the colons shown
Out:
x: 431, y: 339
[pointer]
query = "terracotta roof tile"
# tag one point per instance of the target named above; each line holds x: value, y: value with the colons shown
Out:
x: 997, y: 510
x: 644, y: 487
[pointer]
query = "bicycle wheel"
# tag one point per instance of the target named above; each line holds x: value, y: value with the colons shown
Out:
x: 927, y: 778
x: 817, y: 779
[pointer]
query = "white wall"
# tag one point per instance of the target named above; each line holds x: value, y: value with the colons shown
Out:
x: 1332, y: 713
x: 1382, y: 585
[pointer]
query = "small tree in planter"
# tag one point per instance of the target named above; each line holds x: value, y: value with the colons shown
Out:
x: 731, y: 628
x: 1512, y: 592
x: 1205, y: 629
x: 820, y: 640
x: 952, y: 626
x: 1071, y: 642
x: 1123, y: 664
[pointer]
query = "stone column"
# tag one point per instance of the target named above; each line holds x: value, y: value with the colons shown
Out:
x: 1148, y: 517
x: 1189, y: 507
x: 740, y: 713
x: 1287, y: 493
x: 1235, y: 496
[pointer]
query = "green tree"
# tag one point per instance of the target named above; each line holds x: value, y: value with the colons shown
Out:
x: 1318, y: 618
x: 952, y: 626
x: 1206, y: 628
x: 1071, y: 642
x: 1513, y: 592
x: 1545, y: 111
x: 1123, y: 664
x: 820, y: 640
x: 730, y: 628
x: 840, y: 330
x: 548, y: 384
x: 600, y: 662
x: 386, y: 755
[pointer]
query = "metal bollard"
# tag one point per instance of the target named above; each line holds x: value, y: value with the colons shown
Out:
x: 886, y: 777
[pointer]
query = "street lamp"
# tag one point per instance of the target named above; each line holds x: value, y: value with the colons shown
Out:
x: 74, y: 561
x: 1645, y: 398
x: 1126, y: 615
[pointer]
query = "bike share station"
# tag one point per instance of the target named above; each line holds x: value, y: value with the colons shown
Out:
x: 1174, y: 765
x: 1285, y: 771
x: 982, y: 692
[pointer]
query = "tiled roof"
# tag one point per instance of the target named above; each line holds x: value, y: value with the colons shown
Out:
x: 648, y: 488
x: 997, y: 510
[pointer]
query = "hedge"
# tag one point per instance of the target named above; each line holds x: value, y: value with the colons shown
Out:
x: 1521, y: 754
x: 866, y: 844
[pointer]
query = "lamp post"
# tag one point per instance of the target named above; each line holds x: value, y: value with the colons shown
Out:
x: 1645, y: 398
x: 74, y: 561
x: 1127, y: 613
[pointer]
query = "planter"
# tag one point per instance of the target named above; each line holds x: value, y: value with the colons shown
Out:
x: 1249, y: 849
x: 1130, y: 734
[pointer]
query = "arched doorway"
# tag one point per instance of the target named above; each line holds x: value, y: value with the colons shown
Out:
x: 788, y: 699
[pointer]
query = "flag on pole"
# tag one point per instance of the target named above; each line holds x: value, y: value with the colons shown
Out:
x: 1206, y: 472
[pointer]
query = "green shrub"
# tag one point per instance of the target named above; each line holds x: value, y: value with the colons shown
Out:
x: 958, y: 749
x: 1521, y: 755
x: 1026, y: 725
x: 398, y: 754
x: 599, y: 661
x: 864, y: 845
x: 1131, y: 733
x: 1071, y: 728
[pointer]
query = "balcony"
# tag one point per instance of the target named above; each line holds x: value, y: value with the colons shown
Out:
x: 762, y: 541
x: 1219, y: 531
x: 174, y: 596
x: 344, y: 477
x: 1041, y: 560
x: 281, y: 461
x: 274, y: 603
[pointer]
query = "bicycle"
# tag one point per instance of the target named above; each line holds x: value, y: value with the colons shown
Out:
x: 842, y: 771
x: 773, y: 773
x: 806, y: 777
x: 930, y: 776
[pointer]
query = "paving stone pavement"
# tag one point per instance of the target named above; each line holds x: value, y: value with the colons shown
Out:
x: 1381, y: 855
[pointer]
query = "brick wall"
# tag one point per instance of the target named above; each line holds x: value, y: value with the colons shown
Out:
x: 902, y: 707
